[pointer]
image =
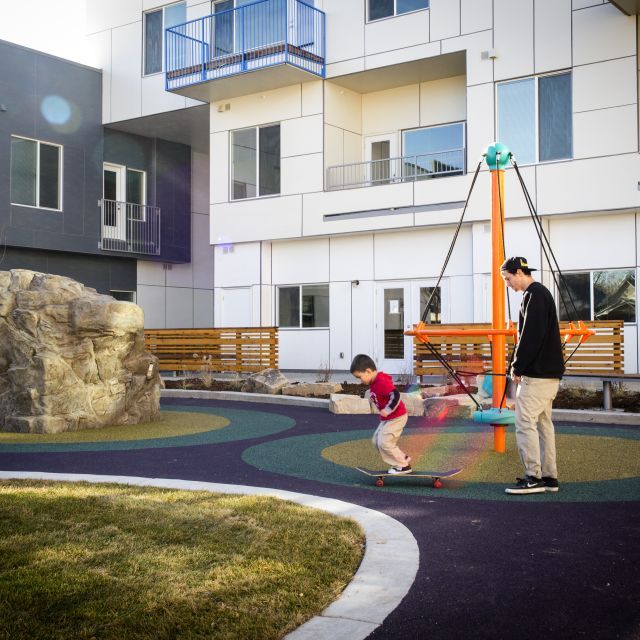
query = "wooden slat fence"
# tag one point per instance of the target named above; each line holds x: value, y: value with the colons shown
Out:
x: 602, y: 354
x: 244, y: 349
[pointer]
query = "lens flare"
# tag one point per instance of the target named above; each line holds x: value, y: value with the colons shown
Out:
x: 55, y: 110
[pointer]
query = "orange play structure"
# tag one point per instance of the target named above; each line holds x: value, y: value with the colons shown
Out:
x: 497, y: 156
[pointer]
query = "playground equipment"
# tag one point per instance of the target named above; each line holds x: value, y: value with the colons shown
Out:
x: 497, y: 157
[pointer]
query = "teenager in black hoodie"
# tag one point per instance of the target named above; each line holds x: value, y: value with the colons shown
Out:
x: 538, y: 365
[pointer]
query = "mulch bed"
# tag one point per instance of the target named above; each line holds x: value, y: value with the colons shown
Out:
x: 568, y: 398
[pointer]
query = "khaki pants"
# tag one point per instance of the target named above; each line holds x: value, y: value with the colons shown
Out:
x: 385, y: 440
x: 535, y: 435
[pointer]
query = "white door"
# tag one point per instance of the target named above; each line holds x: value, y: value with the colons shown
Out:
x: 237, y: 307
x: 380, y: 154
x: 394, y: 350
x: 114, y: 211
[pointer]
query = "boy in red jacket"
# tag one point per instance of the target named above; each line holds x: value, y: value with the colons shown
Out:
x: 393, y: 414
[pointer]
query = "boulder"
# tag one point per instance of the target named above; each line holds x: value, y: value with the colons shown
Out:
x: 71, y: 358
x: 344, y: 403
x: 414, y: 403
x: 445, y: 390
x: 270, y: 381
x: 459, y: 406
x: 312, y: 389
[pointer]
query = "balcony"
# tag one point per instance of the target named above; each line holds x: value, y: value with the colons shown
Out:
x: 130, y: 228
x: 255, y: 47
x: 395, y: 170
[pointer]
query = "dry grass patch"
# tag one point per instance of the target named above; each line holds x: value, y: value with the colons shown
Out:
x: 112, y: 561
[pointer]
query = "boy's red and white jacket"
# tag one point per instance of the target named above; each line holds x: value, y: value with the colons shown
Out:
x: 385, y: 396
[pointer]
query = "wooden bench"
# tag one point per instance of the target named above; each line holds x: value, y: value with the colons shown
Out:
x: 601, y: 357
x: 243, y: 349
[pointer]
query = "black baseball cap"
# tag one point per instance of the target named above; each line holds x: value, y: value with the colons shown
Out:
x: 515, y: 263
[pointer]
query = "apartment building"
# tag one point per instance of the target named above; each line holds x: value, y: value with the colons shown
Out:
x: 77, y: 200
x: 333, y: 144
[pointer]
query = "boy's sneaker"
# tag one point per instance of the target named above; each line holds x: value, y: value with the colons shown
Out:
x: 550, y: 484
x: 527, y: 485
x: 400, y: 471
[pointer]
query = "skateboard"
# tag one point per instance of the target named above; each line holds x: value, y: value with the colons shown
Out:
x: 434, y: 475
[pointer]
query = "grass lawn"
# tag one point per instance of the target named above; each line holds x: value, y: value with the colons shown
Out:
x: 80, y: 560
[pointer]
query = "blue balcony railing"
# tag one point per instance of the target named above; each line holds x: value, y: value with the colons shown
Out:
x: 250, y: 37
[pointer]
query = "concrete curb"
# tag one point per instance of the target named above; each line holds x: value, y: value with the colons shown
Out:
x: 562, y: 415
x: 604, y: 417
x: 385, y: 575
x: 262, y: 398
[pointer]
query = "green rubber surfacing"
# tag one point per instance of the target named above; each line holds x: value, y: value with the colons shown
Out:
x: 307, y: 457
x: 243, y: 425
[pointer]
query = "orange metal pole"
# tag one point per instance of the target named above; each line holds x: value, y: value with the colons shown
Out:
x: 498, y: 303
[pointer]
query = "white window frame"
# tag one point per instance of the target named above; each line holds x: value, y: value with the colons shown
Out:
x: 256, y: 128
x: 592, y: 305
x: 60, y: 175
x: 536, y: 79
x: 124, y: 169
x: 395, y: 11
x: 133, y: 294
x: 162, y: 38
x: 435, y: 126
x: 299, y: 287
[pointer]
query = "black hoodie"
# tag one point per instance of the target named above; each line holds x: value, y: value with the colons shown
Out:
x: 539, y: 351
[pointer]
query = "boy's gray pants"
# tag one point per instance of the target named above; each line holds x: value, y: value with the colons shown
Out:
x: 535, y: 435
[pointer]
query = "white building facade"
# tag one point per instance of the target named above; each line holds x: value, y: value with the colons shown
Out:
x: 333, y: 148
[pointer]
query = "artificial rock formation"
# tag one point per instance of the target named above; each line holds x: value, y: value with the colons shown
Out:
x: 71, y: 358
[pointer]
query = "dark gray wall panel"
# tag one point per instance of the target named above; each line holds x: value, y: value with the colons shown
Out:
x: 102, y: 273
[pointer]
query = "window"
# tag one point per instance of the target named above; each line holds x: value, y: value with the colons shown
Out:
x: 125, y: 296
x: 435, y: 309
x: 386, y: 8
x: 155, y: 23
x: 260, y: 24
x: 433, y: 151
x: 599, y: 295
x: 305, y: 306
x: 136, y: 194
x: 255, y: 169
x: 534, y: 118
x: 36, y: 173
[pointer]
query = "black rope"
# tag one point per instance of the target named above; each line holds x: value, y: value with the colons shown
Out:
x: 440, y: 358
x: 427, y: 309
x: 537, y: 223
x: 541, y: 235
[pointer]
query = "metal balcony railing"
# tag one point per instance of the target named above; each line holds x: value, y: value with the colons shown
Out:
x: 251, y: 36
x: 130, y: 228
x: 392, y: 170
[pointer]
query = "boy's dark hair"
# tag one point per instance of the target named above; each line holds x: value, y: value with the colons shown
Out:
x: 362, y: 362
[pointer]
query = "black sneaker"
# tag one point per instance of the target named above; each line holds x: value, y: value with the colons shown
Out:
x: 527, y: 485
x: 400, y: 471
x: 550, y: 484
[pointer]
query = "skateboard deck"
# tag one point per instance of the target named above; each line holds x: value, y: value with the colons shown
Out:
x: 435, y: 475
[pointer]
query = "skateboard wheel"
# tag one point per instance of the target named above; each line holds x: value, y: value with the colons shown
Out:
x: 379, y: 482
x: 437, y: 483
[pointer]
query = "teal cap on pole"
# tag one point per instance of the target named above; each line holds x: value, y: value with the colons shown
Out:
x: 497, y: 156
